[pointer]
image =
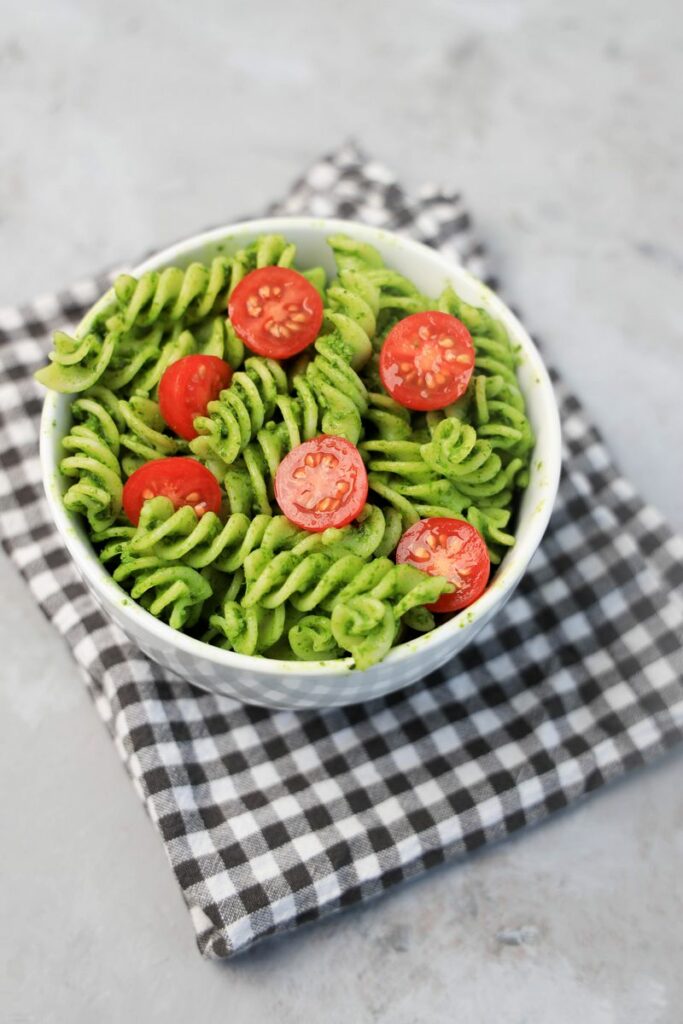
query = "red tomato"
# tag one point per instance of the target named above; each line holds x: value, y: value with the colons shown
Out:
x: 276, y: 312
x: 450, y: 548
x: 186, y: 389
x: 427, y: 360
x: 184, y: 481
x: 322, y: 483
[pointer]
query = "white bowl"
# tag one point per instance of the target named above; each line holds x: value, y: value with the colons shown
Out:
x: 284, y: 684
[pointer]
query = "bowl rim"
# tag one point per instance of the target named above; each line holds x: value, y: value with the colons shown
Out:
x: 528, y: 534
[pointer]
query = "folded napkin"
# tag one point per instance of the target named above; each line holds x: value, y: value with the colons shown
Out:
x: 271, y: 819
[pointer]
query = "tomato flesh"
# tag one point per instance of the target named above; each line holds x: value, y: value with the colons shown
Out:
x: 276, y: 312
x: 185, y: 481
x: 322, y: 483
x: 186, y: 388
x: 450, y: 548
x: 427, y: 360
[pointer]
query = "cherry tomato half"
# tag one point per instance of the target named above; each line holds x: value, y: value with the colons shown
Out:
x: 427, y: 360
x: 186, y: 389
x: 276, y: 312
x: 450, y: 548
x: 322, y: 483
x: 184, y: 481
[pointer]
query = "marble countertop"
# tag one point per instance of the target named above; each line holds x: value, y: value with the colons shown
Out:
x: 126, y: 126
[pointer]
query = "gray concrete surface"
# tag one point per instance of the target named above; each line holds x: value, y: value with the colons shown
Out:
x: 126, y: 125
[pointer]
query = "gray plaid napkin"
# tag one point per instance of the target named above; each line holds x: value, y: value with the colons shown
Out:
x: 271, y: 819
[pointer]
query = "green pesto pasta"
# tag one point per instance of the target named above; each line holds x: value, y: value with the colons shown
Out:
x: 240, y: 575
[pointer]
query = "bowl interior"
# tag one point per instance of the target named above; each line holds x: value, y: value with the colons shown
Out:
x: 431, y: 272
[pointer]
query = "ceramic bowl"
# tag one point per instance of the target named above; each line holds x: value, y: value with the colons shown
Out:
x: 300, y: 685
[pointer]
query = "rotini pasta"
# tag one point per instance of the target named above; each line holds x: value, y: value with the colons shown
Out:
x: 143, y: 436
x: 173, y: 294
x: 241, y: 410
x: 167, y: 590
x: 91, y: 460
x: 179, y: 535
x: 234, y: 571
x: 77, y: 364
x: 247, y: 630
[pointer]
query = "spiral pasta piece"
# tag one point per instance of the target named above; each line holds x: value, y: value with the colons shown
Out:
x: 500, y: 417
x: 131, y: 358
x: 479, y: 323
x: 265, y: 251
x: 247, y: 630
x: 144, y: 438
x: 457, y: 453
x: 367, y: 613
x: 399, y: 475
x: 173, y: 293
x: 395, y: 296
x: 169, y: 591
x: 140, y: 361
x: 77, y: 364
x: 353, y: 304
x: 112, y: 543
x: 311, y: 639
x: 491, y: 523
x: 366, y: 628
x: 402, y: 587
x: 496, y: 403
x: 339, y: 394
x: 92, y: 447
x: 179, y: 535
x: 351, y: 254
x: 320, y: 565
x: 391, y: 421
x: 240, y: 410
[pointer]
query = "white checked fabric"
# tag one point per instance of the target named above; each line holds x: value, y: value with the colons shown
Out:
x: 271, y: 819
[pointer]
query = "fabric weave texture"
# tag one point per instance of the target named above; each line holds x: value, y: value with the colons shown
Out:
x: 272, y: 819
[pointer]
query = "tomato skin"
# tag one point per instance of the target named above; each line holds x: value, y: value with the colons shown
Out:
x: 427, y: 360
x: 322, y: 483
x: 450, y: 548
x: 185, y: 481
x: 186, y: 388
x: 276, y: 312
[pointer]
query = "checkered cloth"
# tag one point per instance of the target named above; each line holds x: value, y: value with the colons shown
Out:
x: 271, y: 819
